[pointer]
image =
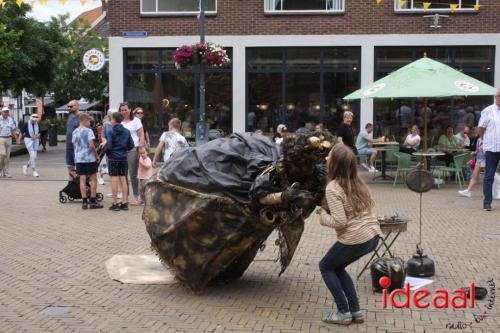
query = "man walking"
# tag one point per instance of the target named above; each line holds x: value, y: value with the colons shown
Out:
x: 489, y: 131
x: 71, y: 125
x: 8, y: 129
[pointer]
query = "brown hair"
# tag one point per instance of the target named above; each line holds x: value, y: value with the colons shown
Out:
x: 84, y: 116
x: 342, y: 168
x: 117, y: 116
x: 131, y: 114
x: 175, y: 123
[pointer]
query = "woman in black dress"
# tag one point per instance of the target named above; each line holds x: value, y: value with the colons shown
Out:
x: 345, y: 132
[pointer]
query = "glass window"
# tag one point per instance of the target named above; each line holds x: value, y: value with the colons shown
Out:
x: 176, y: 6
x: 142, y: 59
x: 218, y: 97
x: 141, y: 90
x: 303, y: 5
x: 153, y: 83
x: 336, y: 86
x: 149, y: 5
x: 303, y: 58
x: 305, y: 91
x: 439, y: 5
x: 264, y: 58
x: 342, y: 58
x: 264, y: 101
x: 303, y: 108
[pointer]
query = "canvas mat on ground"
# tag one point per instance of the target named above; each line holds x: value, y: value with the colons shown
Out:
x: 138, y: 269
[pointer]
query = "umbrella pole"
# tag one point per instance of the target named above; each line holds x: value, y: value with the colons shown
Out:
x: 425, y: 132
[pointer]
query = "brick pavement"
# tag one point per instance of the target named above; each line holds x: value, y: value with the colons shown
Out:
x: 54, y: 254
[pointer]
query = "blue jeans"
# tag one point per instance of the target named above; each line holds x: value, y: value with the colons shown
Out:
x: 336, y: 278
x: 492, y: 160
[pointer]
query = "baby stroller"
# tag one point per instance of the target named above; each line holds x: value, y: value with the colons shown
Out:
x: 71, y: 191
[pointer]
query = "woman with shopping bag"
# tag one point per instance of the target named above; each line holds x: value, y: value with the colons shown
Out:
x: 31, y: 135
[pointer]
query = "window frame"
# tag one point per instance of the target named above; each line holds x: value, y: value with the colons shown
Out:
x: 325, y: 11
x: 177, y: 13
x: 413, y: 10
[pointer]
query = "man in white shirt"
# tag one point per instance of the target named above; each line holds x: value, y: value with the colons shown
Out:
x: 489, y: 131
x: 171, y: 140
x: 8, y: 129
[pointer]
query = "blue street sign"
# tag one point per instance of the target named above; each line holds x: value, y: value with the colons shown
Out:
x: 134, y: 34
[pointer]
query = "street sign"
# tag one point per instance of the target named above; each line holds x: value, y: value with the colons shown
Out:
x: 94, y: 60
x: 135, y: 34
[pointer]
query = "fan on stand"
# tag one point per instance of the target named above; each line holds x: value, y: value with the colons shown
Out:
x: 420, y: 265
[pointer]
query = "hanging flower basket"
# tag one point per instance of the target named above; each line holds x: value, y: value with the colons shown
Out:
x: 210, y: 54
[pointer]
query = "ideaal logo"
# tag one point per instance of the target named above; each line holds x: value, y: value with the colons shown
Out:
x: 441, y: 299
x: 419, y: 298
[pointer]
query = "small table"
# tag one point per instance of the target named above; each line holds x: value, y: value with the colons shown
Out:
x: 390, y: 226
x: 459, y: 150
x: 428, y: 156
x: 383, y: 147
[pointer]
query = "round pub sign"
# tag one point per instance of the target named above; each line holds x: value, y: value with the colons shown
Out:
x: 94, y: 60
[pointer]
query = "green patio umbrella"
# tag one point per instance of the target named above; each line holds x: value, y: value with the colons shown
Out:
x: 424, y: 78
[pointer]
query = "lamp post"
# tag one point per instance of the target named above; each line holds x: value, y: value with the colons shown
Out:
x: 202, y: 126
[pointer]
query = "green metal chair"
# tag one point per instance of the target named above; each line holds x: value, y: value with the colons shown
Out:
x: 403, y: 167
x: 459, y: 163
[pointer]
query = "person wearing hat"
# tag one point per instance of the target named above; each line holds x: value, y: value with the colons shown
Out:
x: 31, y: 134
x: 8, y: 129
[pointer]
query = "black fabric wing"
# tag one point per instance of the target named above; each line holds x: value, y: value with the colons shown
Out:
x: 227, y: 166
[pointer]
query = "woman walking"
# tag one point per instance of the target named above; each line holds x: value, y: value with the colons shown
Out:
x: 350, y: 214
x: 480, y: 163
x: 31, y: 134
x: 134, y: 125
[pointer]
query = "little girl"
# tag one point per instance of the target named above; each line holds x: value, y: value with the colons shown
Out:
x: 144, y: 172
x: 350, y: 214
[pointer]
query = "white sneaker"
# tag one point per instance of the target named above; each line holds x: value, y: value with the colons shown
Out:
x: 25, y: 170
x: 110, y: 195
x: 372, y: 169
x: 1, y: 173
x: 465, y: 193
x: 100, y: 180
x: 35, y: 174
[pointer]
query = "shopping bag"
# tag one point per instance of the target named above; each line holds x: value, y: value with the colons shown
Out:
x: 496, y: 187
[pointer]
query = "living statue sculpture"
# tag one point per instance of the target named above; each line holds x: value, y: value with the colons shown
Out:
x: 211, y: 208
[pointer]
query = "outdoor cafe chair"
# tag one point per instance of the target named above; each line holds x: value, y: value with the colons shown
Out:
x: 403, y: 166
x: 459, y: 163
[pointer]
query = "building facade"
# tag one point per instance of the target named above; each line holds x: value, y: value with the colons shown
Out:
x: 294, y: 60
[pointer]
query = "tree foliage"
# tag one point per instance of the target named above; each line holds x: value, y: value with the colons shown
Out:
x: 73, y: 80
x: 28, y: 50
x: 46, y: 57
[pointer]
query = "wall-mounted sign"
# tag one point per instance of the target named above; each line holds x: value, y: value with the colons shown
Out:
x: 94, y: 60
x: 134, y: 34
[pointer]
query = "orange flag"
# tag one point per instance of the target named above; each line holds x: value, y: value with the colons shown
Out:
x: 453, y: 7
x: 426, y: 5
x: 378, y: 2
x: 476, y: 6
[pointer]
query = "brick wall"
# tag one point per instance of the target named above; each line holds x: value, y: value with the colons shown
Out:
x: 246, y: 17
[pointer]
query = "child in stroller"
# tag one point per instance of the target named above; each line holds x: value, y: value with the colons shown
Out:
x: 72, y: 192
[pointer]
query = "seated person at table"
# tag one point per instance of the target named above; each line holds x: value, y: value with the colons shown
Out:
x: 363, y: 145
x: 447, y: 142
x: 412, y: 141
x: 463, y: 137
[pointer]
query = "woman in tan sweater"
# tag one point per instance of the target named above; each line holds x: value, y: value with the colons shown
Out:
x: 350, y: 214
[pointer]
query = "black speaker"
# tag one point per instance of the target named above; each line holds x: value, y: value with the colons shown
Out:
x: 393, y: 268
